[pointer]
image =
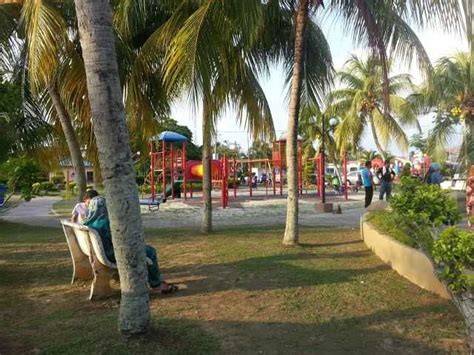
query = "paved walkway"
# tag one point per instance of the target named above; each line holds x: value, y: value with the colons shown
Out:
x: 176, y: 214
x: 37, y: 212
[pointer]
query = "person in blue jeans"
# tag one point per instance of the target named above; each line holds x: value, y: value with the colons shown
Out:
x: 386, y: 176
x: 98, y: 219
x: 367, y: 181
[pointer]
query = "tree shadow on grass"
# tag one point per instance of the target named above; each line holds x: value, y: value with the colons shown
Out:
x: 382, y: 332
x: 269, y: 273
x: 321, y: 245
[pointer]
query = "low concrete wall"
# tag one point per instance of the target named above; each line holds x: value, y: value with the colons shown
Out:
x: 408, y: 262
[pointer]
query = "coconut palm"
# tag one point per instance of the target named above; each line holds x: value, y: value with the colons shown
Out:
x: 245, y: 40
x: 380, y: 25
x: 59, y: 67
x: 447, y: 95
x: 360, y: 104
x: 43, y: 33
x: 100, y: 60
x: 368, y: 155
x: 310, y: 129
x: 451, y: 95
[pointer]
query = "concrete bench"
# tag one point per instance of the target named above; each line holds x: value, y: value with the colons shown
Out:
x: 88, y: 259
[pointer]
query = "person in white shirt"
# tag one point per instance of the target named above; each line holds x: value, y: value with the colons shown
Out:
x: 80, y: 211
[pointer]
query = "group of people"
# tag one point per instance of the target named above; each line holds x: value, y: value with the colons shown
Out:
x: 92, y: 212
x: 386, y: 175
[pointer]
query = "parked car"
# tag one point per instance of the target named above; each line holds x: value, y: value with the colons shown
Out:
x: 353, y: 177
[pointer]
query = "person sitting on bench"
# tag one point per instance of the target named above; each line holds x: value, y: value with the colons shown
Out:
x: 80, y: 211
x: 98, y: 219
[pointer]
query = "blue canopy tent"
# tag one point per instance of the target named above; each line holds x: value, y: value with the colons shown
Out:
x: 171, y: 137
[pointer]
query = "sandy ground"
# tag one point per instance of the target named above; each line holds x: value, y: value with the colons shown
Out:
x: 177, y: 213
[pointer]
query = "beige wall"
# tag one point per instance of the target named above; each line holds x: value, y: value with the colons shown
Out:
x: 70, y: 171
x: 408, y: 262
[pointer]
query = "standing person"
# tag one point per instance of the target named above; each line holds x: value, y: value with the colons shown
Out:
x: 386, y: 176
x: 367, y: 180
x: 433, y: 176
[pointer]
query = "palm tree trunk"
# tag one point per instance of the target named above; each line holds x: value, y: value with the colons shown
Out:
x: 376, y: 138
x: 469, y: 143
x: 71, y: 140
x: 291, y: 230
x: 206, y: 225
x: 113, y: 143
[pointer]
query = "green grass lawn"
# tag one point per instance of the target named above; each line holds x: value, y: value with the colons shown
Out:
x: 64, y: 207
x: 242, y: 292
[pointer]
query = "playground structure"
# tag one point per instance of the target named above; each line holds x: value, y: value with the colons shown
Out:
x: 170, y: 169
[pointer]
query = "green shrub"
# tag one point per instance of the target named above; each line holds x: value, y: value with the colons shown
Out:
x: 392, y: 225
x: 21, y: 173
x: 454, y: 252
x: 58, y: 179
x: 35, y: 188
x: 424, y: 208
x: 48, y: 186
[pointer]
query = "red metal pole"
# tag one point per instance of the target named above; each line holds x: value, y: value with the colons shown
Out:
x: 345, y: 176
x: 152, y: 171
x: 172, y: 170
x: 266, y: 177
x: 250, y: 180
x: 226, y: 181
x: 163, y: 165
x: 222, y: 181
x: 300, y: 173
x: 316, y: 167
x: 321, y: 175
x: 281, y: 168
x: 235, y: 178
x: 183, y: 164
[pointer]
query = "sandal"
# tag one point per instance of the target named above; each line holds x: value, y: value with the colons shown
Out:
x: 170, y: 288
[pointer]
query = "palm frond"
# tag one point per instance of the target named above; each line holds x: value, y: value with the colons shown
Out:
x: 45, y: 31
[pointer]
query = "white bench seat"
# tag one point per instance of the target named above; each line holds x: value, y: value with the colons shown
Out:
x: 88, y: 259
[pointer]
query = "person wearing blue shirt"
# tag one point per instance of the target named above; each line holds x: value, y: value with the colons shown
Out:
x: 433, y: 176
x: 367, y: 181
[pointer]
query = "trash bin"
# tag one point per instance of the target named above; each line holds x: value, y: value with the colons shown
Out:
x: 3, y: 191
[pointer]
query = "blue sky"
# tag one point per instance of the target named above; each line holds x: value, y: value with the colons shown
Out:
x: 436, y: 43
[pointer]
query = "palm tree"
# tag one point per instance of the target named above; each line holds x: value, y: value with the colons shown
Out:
x: 244, y: 41
x: 383, y: 27
x: 54, y: 45
x: 447, y: 95
x: 44, y: 37
x: 368, y: 155
x: 291, y: 229
x: 100, y: 60
x: 360, y: 104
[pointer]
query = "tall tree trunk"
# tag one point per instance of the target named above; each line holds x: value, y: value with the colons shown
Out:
x: 469, y: 140
x: 206, y: 225
x: 469, y: 143
x: 291, y: 230
x: 376, y: 138
x: 71, y: 140
x: 113, y: 143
